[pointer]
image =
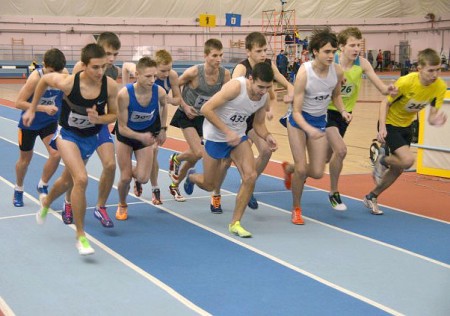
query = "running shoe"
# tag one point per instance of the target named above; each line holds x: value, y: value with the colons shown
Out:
x: 372, y: 204
x: 238, y: 230
x: 41, y: 215
x: 378, y: 168
x: 287, y: 175
x: 336, y: 202
x: 137, y: 188
x: 297, y: 216
x: 216, y: 207
x: 156, y: 197
x: 188, y: 185
x: 66, y: 214
x: 18, y: 198
x: 175, y: 191
x: 174, y: 168
x: 83, y: 246
x: 253, y: 203
x: 122, y: 212
x: 101, y: 214
x: 43, y: 189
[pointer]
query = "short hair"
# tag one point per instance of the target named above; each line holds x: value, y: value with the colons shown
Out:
x: 255, y: 39
x: 91, y: 51
x: 55, y: 59
x: 163, y: 57
x: 212, y: 43
x: 145, y: 62
x: 428, y: 56
x: 320, y: 38
x: 106, y: 39
x: 263, y: 71
x: 344, y: 35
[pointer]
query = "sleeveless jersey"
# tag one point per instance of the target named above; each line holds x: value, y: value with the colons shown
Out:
x: 318, y: 90
x: 142, y: 117
x: 51, y: 96
x: 350, y: 90
x: 413, y: 97
x: 112, y: 72
x: 73, y: 112
x: 234, y: 114
x: 164, y: 84
x: 198, y: 96
x: 248, y: 67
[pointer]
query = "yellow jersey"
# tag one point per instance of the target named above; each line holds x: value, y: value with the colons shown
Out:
x: 412, y: 97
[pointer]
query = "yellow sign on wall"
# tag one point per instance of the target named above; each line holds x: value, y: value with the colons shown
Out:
x: 207, y: 20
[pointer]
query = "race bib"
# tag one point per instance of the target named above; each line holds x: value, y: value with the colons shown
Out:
x: 238, y: 119
x: 201, y: 99
x: 322, y: 97
x: 48, y: 100
x: 347, y: 90
x: 415, y: 106
x: 79, y: 121
x: 139, y: 117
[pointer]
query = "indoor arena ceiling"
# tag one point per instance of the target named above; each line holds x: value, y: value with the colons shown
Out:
x: 249, y: 9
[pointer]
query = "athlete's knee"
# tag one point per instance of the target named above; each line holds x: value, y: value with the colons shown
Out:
x: 80, y: 180
x: 249, y: 177
x: 109, y: 165
x: 407, y: 162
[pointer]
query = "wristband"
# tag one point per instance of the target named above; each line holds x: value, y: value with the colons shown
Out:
x: 164, y: 128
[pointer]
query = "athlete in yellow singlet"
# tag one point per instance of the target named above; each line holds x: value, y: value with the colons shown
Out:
x: 415, y: 91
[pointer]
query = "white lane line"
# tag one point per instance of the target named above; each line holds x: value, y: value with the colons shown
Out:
x: 123, y: 260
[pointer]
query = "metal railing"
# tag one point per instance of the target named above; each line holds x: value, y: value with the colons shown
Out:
x: 127, y: 53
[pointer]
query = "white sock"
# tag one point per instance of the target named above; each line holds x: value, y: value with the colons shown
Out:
x: 42, y: 184
x: 17, y: 188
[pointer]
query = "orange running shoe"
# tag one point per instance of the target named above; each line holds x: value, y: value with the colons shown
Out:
x: 287, y: 175
x: 122, y: 212
x: 297, y: 216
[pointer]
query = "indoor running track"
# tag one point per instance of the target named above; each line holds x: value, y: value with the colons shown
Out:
x: 179, y: 259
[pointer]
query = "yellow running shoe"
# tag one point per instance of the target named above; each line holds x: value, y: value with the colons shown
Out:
x: 238, y: 230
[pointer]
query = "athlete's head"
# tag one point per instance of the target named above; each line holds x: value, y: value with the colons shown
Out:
x: 163, y: 57
x: 320, y: 38
x: 111, y: 44
x: 345, y: 34
x: 91, y: 51
x: 145, y: 62
x: 255, y: 39
x: 211, y: 44
x: 429, y: 66
x: 109, y: 39
x: 261, y: 79
x: 55, y: 59
x: 163, y: 63
x: 349, y: 41
x: 263, y: 71
x: 146, y: 72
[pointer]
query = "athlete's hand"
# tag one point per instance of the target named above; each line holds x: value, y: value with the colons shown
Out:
x: 315, y: 133
x: 382, y: 133
x: 190, y: 112
x: 28, y: 117
x: 438, y: 119
x: 147, y: 138
x: 233, y: 138
x: 51, y: 109
x: 346, y: 116
x: 272, y: 142
x: 92, y: 114
x: 161, y: 138
x: 392, y: 90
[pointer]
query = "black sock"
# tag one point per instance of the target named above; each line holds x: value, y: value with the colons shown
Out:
x: 371, y: 195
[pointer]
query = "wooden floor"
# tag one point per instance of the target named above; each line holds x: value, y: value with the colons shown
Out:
x: 358, y: 137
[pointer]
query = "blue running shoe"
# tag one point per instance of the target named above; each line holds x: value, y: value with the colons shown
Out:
x: 215, y: 206
x: 101, y: 214
x: 43, y: 189
x: 188, y: 185
x: 253, y: 203
x: 18, y: 198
